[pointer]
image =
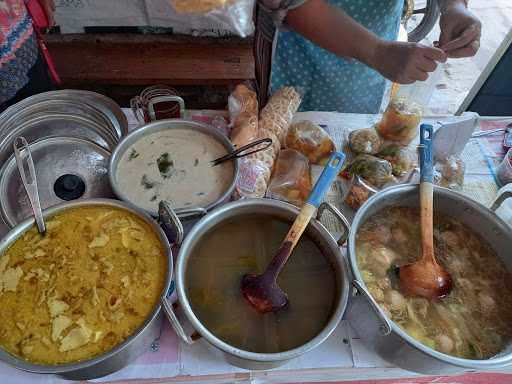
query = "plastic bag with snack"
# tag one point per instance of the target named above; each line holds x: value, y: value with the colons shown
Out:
x: 377, y: 172
x: 253, y: 178
x: 449, y: 173
x: 359, y: 192
x: 400, y: 121
x: 243, y: 111
x: 277, y: 115
x: 365, y: 141
x: 311, y: 140
x: 403, y: 159
x: 291, y: 179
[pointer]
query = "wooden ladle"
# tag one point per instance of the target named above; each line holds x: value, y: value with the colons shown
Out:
x: 262, y: 291
x: 425, y: 277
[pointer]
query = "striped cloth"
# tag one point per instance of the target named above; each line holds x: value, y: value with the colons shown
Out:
x: 18, y: 47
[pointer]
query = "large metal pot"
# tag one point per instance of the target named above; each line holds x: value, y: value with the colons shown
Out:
x: 381, y: 334
x: 165, y: 125
x: 123, y: 353
x: 276, y: 209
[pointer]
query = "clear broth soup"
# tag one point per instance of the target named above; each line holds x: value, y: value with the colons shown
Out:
x: 244, y: 245
x: 475, y: 320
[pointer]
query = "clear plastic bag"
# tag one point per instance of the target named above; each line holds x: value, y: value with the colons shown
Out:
x: 377, y: 172
x: 359, y: 192
x: 277, y: 115
x: 365, y: 141
x: 235, y: 16
x: 243, y: 112
x: 310, y: 140
x: 291, y: 179
x: 404, y: 112
x: 400, y: 121
x: 402, y: 159
x: 449, y: 173
x: 253, y: 178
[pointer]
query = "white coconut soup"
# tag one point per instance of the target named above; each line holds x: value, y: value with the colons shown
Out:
x: 174, y: 165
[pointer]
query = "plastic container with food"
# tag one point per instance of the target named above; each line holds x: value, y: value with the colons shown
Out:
x: 311, y: 140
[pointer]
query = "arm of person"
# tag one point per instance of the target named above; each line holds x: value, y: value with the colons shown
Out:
x: 460, y: 29
x: 334, y: 30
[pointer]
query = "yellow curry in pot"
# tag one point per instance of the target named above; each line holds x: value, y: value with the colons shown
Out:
x: 81, y: 289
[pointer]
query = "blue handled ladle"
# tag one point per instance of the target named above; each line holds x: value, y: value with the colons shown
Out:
x: 425, y: 277
x: 262, y: 291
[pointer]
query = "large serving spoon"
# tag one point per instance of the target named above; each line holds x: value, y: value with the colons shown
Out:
x: 262, y: 291
x: 425, y: 277
x: 28, y: 177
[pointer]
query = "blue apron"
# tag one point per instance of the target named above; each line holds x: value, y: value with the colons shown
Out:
x: 329, y: 82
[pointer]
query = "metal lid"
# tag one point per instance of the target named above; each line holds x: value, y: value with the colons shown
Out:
x: 74, y: 102
x: 67, y: 168
x: 52, y: 125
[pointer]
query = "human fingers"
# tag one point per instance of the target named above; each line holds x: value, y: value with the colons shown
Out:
x: 468, y: 51
x: 434, y: 53
x: 426, y: 65
x: 469, y: 35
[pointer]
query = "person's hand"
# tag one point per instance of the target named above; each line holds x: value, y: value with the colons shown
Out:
x: 49, y: 8
x: 405, y: 63
x: 460, y: 31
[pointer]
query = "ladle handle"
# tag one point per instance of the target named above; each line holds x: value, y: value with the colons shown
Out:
x: 28, y: 177
x: 427, y: 191
x: 331, y: 170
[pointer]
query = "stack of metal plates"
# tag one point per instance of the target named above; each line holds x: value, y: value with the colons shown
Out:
x: 71, y: 135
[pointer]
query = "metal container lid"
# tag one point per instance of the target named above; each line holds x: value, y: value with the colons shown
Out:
x: 67, y: 168
x: 52, y: 125
x: 74, y: 102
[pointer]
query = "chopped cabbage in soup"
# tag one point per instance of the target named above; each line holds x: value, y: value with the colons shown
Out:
x: 475, y: 320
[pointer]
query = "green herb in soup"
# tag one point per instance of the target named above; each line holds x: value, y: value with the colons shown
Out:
x: 246, y: 244
x: 475, y: 320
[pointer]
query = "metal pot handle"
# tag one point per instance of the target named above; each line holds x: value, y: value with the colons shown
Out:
x: 170, y: 223
x: 500, y: 200
x: 161, y: 99
x: 385, y: 327
x: 175, y: 323
x: 136, y: 106
x: 341, y: 218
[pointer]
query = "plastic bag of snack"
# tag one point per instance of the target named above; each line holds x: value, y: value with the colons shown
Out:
x: 449, y: 173
x: 243, y: 111
x: 277, y: 115
x: 205, y: 16
x: 311, y: 140
x: 253, y: 178
x: 377, y: 172
x: 365, y: 141
x: 291, y: 179
x: 359, y: 192
x: 403, y: 159
x: 400, y: 121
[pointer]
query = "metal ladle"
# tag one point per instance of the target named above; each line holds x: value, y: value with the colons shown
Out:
x: 28, y: 177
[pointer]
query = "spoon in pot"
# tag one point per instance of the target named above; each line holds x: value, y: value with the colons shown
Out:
x: 262, y: 291
x: 28, y: 177
x: 425, y: 277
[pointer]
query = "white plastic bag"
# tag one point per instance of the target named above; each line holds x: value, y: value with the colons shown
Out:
x: 202, y: 17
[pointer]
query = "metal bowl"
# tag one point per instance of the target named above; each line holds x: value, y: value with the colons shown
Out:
x: 123, y: 353
x: 164, y: 125
x: 381, y: 334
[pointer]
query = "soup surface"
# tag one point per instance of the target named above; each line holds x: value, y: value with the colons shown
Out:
x: 475, y: 320
x: 174, y: 165
x: 245, y: 245
x: 81, y: 289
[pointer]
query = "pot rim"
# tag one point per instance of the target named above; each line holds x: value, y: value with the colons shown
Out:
x: 331, y: 325
x: 163, y: 125
x: 358, y: 221
x: 26, y: 224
